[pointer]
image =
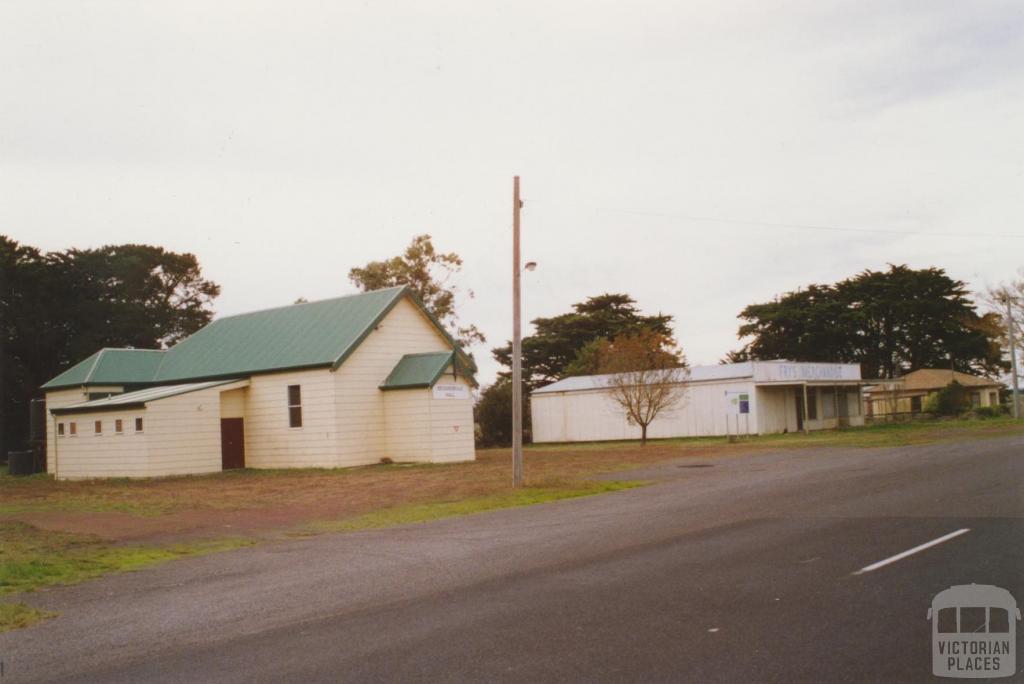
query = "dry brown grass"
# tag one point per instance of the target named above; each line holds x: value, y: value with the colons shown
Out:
x: 255, y: 502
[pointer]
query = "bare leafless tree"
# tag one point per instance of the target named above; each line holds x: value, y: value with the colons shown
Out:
x: 1011, y: 293
x: 646, y: 375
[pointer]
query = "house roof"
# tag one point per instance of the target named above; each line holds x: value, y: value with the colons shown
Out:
x: 307, y: 335
x: 418, y: 370
x: 581, y: 383
x: 140, y: 397
x: 111, y: 367
x: 937, y: 378
x: 765, y: 372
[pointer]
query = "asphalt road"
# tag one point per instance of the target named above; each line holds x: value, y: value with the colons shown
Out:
x: 742, y: 571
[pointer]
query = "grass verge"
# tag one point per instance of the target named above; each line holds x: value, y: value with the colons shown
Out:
x: 19, y: 616
x: 426, y: 512
x: 870, y: 436
x: 31, y: 558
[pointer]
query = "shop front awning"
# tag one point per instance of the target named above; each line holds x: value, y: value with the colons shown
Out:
x: 814, y: 383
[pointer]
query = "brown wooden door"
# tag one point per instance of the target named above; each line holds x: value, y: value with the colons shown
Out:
x: 232, y: 443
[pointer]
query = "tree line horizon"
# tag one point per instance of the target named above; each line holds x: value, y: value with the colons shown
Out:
x: 57, y: 308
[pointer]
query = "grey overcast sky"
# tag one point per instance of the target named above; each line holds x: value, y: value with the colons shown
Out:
x: 667, y: 149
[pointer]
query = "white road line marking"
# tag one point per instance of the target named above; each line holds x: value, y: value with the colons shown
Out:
x: 910, y: 552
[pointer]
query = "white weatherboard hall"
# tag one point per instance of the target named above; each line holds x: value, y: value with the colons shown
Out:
x: 340, y: 382
x: 755, y: 397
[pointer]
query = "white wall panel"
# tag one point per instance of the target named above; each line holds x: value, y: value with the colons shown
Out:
x: 595, y: 416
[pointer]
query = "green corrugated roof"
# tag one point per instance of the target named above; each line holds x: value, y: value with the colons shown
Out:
x: 139, y: 397
x: 298, y: 336
x: 308, y: 335
x: 418, y: 370
x: 111, y: 367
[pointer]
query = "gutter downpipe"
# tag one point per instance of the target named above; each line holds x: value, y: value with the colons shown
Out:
x: 835, y: 399
x: 806, y: 429
x: 55, y: 461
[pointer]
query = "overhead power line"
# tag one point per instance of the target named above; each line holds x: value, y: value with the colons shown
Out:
x: 798, y: 226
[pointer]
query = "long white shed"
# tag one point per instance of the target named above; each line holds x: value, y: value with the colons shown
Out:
x: 754, y: 397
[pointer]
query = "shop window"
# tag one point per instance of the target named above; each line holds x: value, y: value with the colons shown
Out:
x: 828, y: 404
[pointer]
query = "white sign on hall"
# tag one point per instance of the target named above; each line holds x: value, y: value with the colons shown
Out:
x: 451, y: 391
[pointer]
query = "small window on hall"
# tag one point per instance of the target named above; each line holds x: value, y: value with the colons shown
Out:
x: 73, y: 428
x: 294, y: 406
x: 138, y: 425
x: 99, y: 427
x: 118, y: 426
x: 60, y: 429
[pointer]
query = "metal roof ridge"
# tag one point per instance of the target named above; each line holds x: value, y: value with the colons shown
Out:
x: 317, y: 301
x: 156, y: 372
x: 99, y: 355
x: 92, y: 368
x: 450, y: 358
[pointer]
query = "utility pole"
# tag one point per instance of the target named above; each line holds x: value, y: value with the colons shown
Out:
x: 517, y: 346
x: 1013, y: 357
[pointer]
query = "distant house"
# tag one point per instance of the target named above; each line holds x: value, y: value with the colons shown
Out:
x: 909, y: 393
x: 339, y: 382
x: 753, y: 397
